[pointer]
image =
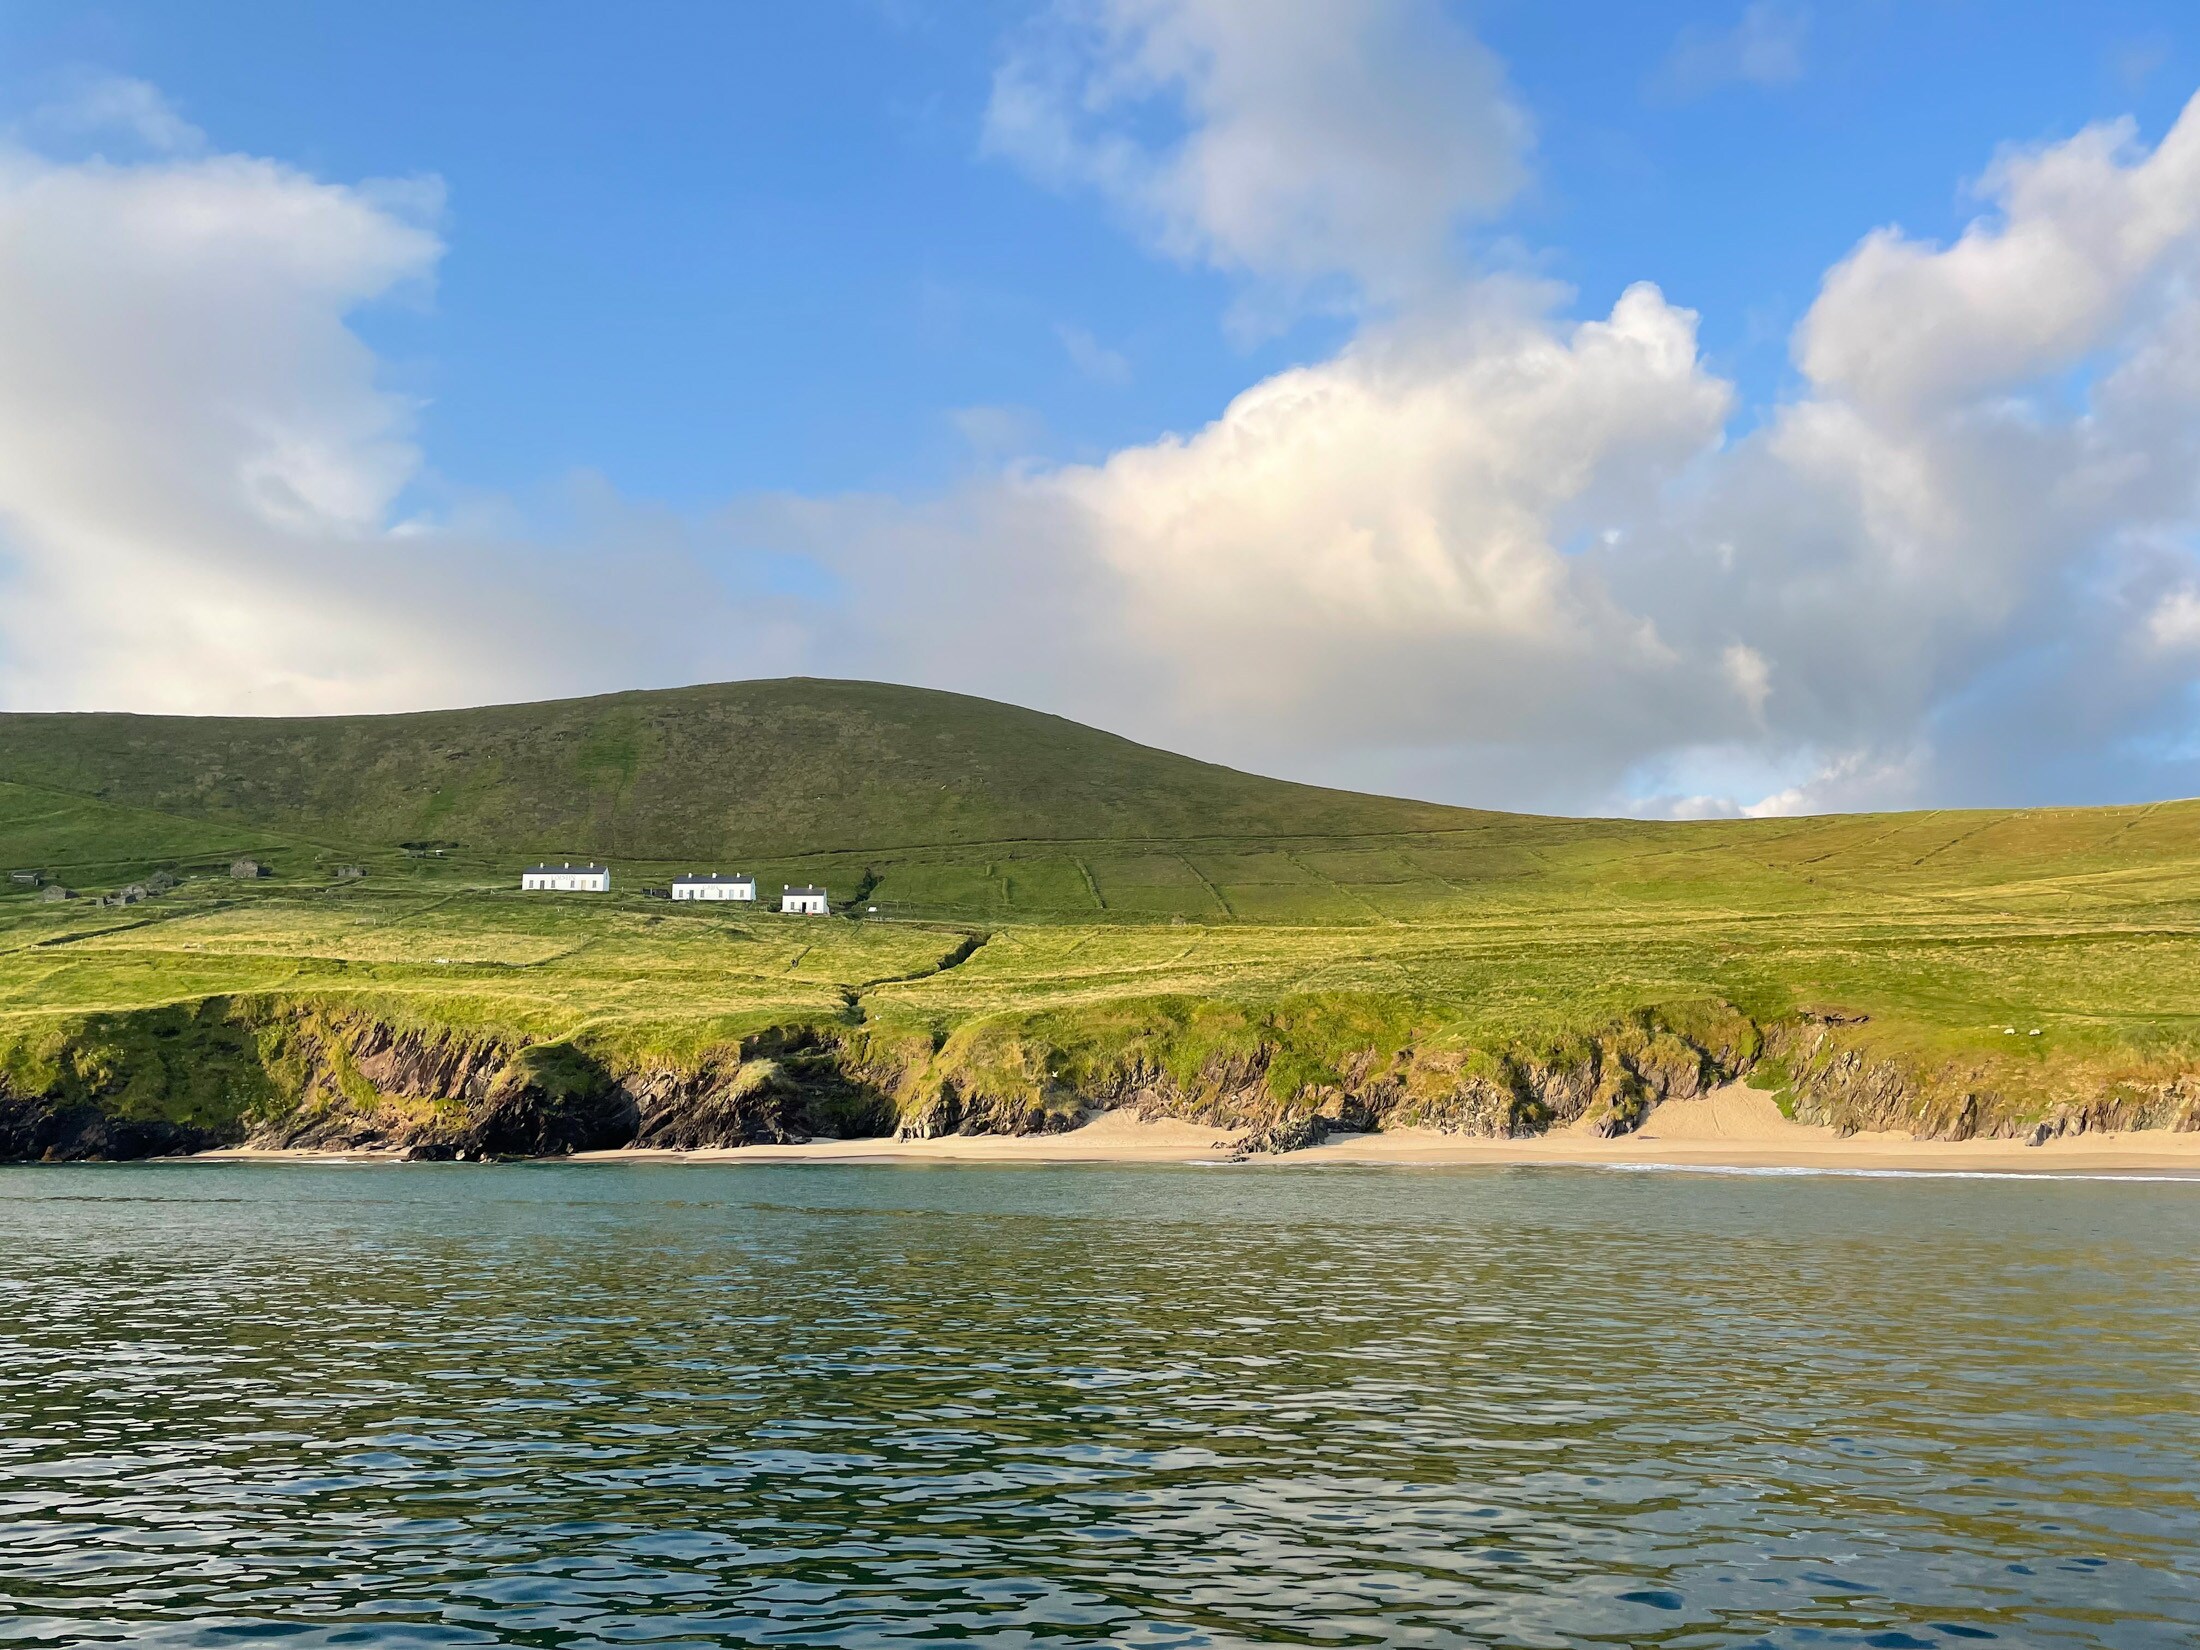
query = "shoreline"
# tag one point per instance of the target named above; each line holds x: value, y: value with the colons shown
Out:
x: 1735, y: 1129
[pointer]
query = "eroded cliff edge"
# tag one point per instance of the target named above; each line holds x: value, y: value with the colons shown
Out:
x: 301, y: 1073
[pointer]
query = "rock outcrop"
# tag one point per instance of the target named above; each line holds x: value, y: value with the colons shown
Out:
x: 1833, y: 1078
x: 1290, y: 1134
x: 301, y: 1074
x: 35, y: 1130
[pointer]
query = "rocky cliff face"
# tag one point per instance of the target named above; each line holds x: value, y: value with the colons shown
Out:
x: 1831, y: 1078
x: 1612, y: 1079
x: 363, y: 1085
x: 353, y: 1083
x: 35, y: 1129
x: 301, y: 1077
x: 219, y: 1073
x: 946, y: 1109
x: 789, y: 1085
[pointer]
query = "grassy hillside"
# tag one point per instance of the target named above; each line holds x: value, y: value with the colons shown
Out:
x: 729, y: 772
x: 1069, y: 914
x: 1932, y: 1000
x: 941, y: 806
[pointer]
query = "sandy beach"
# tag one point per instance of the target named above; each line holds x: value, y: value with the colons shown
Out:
x: 1733, y: 1128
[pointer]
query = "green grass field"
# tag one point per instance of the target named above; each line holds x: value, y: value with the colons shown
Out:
x: 1134, y: 911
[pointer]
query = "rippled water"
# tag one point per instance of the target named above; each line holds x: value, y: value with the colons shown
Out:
x: 702, y: 1405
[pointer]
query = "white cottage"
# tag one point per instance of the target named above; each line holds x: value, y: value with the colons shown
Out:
x: 714, y: 886
x: 804, y: 902
x: 568, y: 879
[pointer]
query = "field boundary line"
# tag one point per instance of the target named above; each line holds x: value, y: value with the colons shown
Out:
x: 1343, y: 888
x: 1092, y: 883
x: 1227, y: 909
x: 1961, y: 836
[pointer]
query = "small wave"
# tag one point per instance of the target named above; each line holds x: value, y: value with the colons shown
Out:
x: 1783, y: 1170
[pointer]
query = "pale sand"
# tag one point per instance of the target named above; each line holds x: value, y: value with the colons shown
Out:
x: 1740, y: 1128
x: 1112, y: 1137
x: 1733, y: 1128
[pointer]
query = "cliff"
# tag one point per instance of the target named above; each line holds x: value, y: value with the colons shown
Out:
x: 277, y: 1072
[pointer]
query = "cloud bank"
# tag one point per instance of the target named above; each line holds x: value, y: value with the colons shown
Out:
x: 1489, y: 551
x: 201, y: 476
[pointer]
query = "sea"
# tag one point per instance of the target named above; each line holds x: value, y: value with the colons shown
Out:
x: 706, y: 1404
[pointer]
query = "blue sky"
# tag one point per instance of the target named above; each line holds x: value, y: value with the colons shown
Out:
x: 706, y: 248
x: 717, y: 292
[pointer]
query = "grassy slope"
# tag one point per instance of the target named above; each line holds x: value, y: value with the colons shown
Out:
x: 730, y: 772
x: 1131, y: 895
x: 2117, y: 994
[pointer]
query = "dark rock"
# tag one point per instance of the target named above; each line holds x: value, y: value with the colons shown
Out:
x: 1290, y: 1134
x: 551, y: 1099
x: 44, y: 1131
x: 950, y: 1111
x: 802, y: 1089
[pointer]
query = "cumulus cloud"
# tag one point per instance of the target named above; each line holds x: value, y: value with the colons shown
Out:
x: 2085, y: 233
x: 1959, y: 534
x: 1309, y: 140
x: 201, y: 476
x: 1487, y: 551
x: 1417, y: 489
x: 1520, y: 556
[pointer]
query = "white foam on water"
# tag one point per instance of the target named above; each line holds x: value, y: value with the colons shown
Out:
x: 1787, y: 1169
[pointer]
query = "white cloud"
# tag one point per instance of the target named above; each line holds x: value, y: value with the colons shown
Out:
x: 1997, y: 449
x: 1520, y: 554
x: 1485, y: 551
x: 1750, y: 673
x: 1413, y: 491
x: 199, y: 468
x: 1762, y: 781
x: 1318, y: 139
x: 2175, y: 620
x: 97, y: 106
x: 2084, y: 234
x: 1764, y: 48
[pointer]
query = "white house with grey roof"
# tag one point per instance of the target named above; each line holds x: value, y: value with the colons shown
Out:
x: 714, y: 886
x: 802, y: 902
x: 567, y: 879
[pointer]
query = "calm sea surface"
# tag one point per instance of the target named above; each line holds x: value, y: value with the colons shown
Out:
x: 700, y: 1405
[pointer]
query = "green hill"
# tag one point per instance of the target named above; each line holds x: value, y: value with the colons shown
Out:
x: 736, y: 770
x: 1077, y: 919
x: 948, y: 806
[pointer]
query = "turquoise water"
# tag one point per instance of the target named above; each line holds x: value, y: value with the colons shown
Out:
x: 582, y: 1405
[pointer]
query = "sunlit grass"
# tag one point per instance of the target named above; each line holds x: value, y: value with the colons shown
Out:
x: 1130, y: 902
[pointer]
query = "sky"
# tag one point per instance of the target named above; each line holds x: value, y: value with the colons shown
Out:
x: 1697, y: 409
